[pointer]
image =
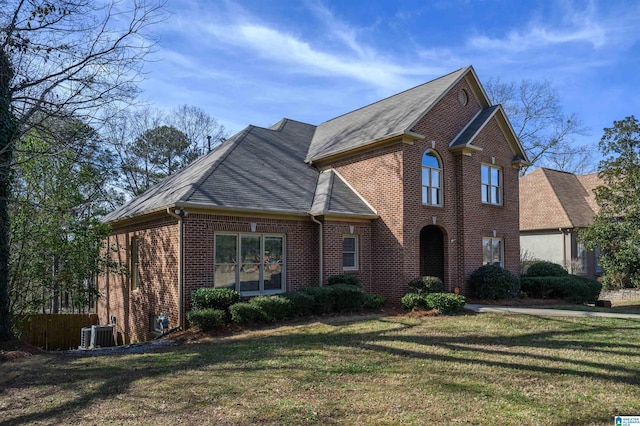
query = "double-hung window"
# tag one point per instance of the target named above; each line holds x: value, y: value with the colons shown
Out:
x: 250, y: 263
x: 493, y: 251
x: 491, y: 177
x: 350, y: 253
x: 431, y: 179
x: 135, y: 263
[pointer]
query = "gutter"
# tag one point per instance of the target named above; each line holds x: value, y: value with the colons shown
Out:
x: 320, y: 248
x: 177, y: 214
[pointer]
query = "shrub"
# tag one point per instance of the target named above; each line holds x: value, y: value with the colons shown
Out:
x: 569, y: 287
x: 545, y: 269
x: 344, y: 279
x: 412, y: 301
x: 214, y: 298
x: 446, y: 303
x: 323, y: 301
x: 373, y: 301
x: 207, y: 319
x: 426, y: 285
x: 276, y: 308
x: 493, y: 282
x: 346, y: 297
x: 302, y: 304
x: 246, y: 313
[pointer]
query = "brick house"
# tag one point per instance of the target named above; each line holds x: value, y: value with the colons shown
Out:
x: 424, y: 182
x: 554, y: 206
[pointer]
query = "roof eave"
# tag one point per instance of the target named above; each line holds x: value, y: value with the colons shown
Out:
x: 405, y: 136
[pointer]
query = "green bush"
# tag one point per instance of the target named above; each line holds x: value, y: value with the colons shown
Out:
x: 246, y: 313
x: 323, y: 300
x: 346, y: 297
x: 214, y: 298
x: 543, y: 268
x: 276, y: 308
x: 412, y: 301
x: 446, y: 303
x: 344, y: 279
x: 569, y: 287
x: 493, y: 282
x: 373, y: 301
x: 302, y: 304
x: 207, y: 319
x: 426, y: 285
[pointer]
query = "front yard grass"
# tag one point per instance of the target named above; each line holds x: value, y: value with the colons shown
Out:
x: 474, y: 369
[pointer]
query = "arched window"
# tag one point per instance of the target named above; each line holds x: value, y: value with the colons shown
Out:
x: 431, y: 179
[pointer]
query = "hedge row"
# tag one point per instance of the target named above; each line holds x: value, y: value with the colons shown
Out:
x: 572, y: 288
x: 446, y: 303
x: 267, y: 309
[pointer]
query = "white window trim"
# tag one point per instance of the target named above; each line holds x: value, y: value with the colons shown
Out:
x: 490, y: 184
x: 501, y: 262
x: 429, y: 186
x: 356, y: 253
x: 238, y: 264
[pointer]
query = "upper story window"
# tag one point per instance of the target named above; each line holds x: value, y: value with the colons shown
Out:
x: 431, y: 179
x: 491, y: 184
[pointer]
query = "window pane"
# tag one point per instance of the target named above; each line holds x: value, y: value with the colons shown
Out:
x: 272, y: 249
x: 485, y: 192
x: 349, y: 244
x: 435, y: 178
x: 495, y: 176
x: 496, y: 258
x: 435, y: 196
x: 425, y: 195
x: 485, y: 174
x: 425, y: 176
x: 226, y: 248
x: 250, y: 249
x: 225, y: 276
x: 348, y: 260
x: 486, y: 251
x: 250, y: 277
x: 430, y: 160
x: 273, y: 276
x: 495, y: 195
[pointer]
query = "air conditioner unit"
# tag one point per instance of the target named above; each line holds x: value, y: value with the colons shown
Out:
x: 101, y: 336
x: 85, y: 338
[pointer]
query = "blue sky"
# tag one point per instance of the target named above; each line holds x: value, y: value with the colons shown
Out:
x: 256, y: 61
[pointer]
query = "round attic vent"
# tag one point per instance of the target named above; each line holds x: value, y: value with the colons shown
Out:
x: 462, y: 97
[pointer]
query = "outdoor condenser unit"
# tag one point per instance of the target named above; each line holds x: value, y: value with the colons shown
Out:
x: 85, y: 338
x: 101, y: 336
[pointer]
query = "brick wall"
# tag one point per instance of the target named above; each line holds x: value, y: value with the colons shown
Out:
x: 158, y: 287
x: 334, y: 231
x: 301, y: 248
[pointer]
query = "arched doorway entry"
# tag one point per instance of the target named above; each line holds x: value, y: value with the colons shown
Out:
x: 432, y: 252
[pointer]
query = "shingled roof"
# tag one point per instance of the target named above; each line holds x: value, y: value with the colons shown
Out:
x: 258, y: 169
x: 390, y: 117
x: 552, y: 199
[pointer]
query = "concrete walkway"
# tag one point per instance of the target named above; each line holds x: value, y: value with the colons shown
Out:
x: 545, y: 311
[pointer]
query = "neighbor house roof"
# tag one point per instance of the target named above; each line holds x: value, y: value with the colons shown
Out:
x: 258, y: 169
x: 552, y: 199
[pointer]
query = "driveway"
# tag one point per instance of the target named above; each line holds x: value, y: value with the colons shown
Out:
x: 545, y: 311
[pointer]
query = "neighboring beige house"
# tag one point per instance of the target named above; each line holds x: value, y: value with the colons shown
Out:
x: 554, y: 205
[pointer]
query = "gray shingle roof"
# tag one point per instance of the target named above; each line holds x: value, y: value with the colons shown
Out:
x: 469, y: 133
x: 335, y: 196
x: 258, y: 169
x: 386, y: 118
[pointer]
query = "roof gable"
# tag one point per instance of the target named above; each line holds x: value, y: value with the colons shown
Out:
x: 391, y: 117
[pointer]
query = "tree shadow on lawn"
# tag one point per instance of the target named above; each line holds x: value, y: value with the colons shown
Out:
x: 253, y: 354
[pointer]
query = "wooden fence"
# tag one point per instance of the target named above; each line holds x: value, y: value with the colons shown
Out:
x: 56, y: 331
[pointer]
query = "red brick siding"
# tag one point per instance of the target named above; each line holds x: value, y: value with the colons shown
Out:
x: 158, y: 287
x: 301, y: 248
x: 334, y: 232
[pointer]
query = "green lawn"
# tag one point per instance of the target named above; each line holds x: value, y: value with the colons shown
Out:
x: 476, y: 369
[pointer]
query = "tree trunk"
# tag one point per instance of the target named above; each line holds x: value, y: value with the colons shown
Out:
x: 6, y: 151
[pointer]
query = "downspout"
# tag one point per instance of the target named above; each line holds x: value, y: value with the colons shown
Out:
x: 320, y: 247
x: 180, y: 262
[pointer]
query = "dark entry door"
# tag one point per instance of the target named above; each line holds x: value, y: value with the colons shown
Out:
x: 432, y: 252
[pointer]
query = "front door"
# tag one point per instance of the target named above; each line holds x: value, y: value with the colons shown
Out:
x: 432, y: 252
